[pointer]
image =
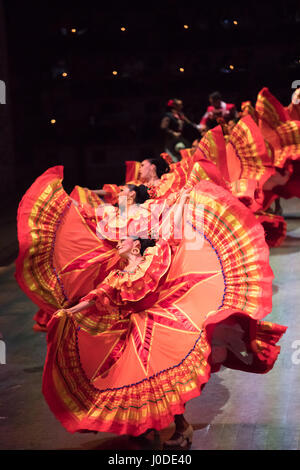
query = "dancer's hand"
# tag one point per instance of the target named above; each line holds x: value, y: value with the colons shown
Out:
x: 75, y: 202
x: 79, y: 307
x: 176, y: 134
x: 185, y: 194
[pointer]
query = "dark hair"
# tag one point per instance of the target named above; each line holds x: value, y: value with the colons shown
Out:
x: 161, y: 165
x: 172, y: 102
x: 146, y: 243
x: 215, y: 95
x: 141, y: 192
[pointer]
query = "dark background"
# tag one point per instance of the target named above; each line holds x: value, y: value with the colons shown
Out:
x: 103, y: 120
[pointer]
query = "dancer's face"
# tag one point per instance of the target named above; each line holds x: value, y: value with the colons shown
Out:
x: 126, y: 245
x: 126, y: 193
x: 215, y: 102
x: 230, y: 125
x: 178, y: 105
x: 147, y: 171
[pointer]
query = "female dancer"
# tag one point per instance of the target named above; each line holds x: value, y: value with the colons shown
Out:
x: 172, y: 124
x: 245, y: 161
x: 59, y: 246
x: 126, y: 357
x: 161, y: 178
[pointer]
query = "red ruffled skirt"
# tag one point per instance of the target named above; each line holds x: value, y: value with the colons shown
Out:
x: 60, y: 256
x: 207, y: 312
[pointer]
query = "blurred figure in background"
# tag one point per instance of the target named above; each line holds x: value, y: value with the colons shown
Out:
x: 217, y: 109
x: 173, y: 123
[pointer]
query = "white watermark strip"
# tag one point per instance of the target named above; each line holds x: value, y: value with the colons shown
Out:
x: 2, y: 352
x: 178, y: 222
x: 296, y: 94
x: 296, y: 355
x: 2, y: 92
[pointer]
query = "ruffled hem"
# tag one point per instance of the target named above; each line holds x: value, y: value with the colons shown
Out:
x: 39, y: 214
x: 205, y: 171
x: 248, y: 109
x: 256, y: 157
x: 262, y: 349
x: 212, y: 146
x: 239, y: 240
x: 153, y: 402
x: 248, y: 192
x: 269, y: 109
x: 275, y: 228
x: 292, y: 187
x: 132, y: 287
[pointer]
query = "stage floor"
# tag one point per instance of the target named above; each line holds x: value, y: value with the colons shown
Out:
x: 235, y: 411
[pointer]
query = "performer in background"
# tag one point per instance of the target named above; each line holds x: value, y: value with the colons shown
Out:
x: 217, y: 109
x: 173, y: 124
x: 294, y: 107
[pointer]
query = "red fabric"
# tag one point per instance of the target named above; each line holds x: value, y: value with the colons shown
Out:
x: 284, y: 136
x: 275, y: 228
x: 214, y: 113
x: 139, y: 371
x: 132, y: 171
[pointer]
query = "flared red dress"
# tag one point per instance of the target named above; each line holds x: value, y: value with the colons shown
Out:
x: 154, y: 336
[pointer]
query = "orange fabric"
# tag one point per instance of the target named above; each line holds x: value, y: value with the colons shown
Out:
x: 60, y: 255
x: 132, y: 171
x: 247, y: 108
x: 212, y: 146
x: 85, y: 196
x: 249, y: 146
x: 284, y: 136
x: 113, y: 193
x: 269, y: 109
x: 131, y: 363
x: 277, y: 127
x: 249, y: 162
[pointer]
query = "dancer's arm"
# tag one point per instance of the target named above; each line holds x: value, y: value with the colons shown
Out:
x: 179, y: 207
x: 100, y: 192
x: 81, y: 306
x: 165, y: 126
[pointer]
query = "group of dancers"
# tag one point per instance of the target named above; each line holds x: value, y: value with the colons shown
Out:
x: 148, y: 288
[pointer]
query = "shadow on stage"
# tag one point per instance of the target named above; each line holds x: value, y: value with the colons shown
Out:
x: 275, y: 289
x: 289, y: 245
